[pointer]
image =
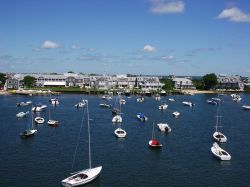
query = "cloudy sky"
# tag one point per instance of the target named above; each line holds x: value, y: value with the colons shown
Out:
x: 180, y: 37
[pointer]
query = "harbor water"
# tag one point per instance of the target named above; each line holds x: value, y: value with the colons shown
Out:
x: 184, y: 160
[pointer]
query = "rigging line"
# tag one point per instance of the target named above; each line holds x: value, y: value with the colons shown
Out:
x: 78, y: 141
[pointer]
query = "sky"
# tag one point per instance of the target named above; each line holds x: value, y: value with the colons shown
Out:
x: 155, y: 37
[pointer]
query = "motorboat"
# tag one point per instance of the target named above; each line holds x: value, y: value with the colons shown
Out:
x: 117, y: 119
x: 220, y: 153
x: 140, y: 99
x: 106, y: 97
x: 27, y: 103
x: 122, y: 101
x: 164, y: 127
x: 53, y: 123
x: 120, y: 133
x: 163, y: 107
x: 84, y: 176
x: 142, y: 117
x: 54, y: 101
x: 105, y: 105
x: 212, y: 102
x: 236, y: 97
x: 216, y: 99
x: 163, y: 93
x: 39, y: 120
x: 22, y: 114
x: 176, y: 114
x: 171, y: 99
x: 39, y: 108
x: 246, y: 107
x: 186, y: 103
x: 80, y: 104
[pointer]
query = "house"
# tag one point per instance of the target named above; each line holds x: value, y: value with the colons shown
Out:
x: 11, y: 84
x: 229, y: 82
x: 182, y: 83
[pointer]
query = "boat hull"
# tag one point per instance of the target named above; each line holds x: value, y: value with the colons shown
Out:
x: 219, y: 137
x: 82, y: 177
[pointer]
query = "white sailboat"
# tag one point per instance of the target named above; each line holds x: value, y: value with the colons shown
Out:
x: 87, y: 175
x: 51, y: 122
x: 218, y: 136
x: 117, y: 118
x: 39, y: 120
x: 31, y: 130
x: 219, y: 152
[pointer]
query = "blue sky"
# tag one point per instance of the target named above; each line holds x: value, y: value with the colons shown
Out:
x: 180, y: 37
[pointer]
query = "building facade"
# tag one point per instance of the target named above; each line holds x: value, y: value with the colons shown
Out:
x: 182, y: 83
x: 229, y: 82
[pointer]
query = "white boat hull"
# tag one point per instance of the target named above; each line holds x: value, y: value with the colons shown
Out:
x: 163, y: 107
x: 39, y: 120
x: 164, y: 127
x: 120, y: 133
x: 82, y: 177
x: 152, y: 143
x: 219, y: 137
x: 117, y: 119
x: 246, y: 107
x: 220, y: 153
x: 176, y: 114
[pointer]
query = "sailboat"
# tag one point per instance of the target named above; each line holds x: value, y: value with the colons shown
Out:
x: 85, y: 176
x: 219, y: 152
x: 120, y: 133
x: 153, y: 142
x: 117, y: 118
x: 51, y: 122
x: 218, y: 136
x: 30, y: 131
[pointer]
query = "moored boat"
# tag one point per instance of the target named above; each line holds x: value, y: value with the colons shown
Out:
x: 220, y: 153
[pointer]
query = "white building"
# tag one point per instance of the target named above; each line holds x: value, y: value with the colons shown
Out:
x: 182, y: 83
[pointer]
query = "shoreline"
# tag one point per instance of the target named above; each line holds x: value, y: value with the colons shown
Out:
x: 101, y: 92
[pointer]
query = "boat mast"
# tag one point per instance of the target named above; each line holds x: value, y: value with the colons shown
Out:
x: 32, y: 120
x: 88, y: 133
x: 153, y: 131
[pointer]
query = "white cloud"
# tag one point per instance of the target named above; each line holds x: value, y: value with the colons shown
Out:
x: 50, y: 45
x: 234, y: 14
x: 167, y: 6
x: 170, y: 57
x: 149, y: 48
x: 75, y: 46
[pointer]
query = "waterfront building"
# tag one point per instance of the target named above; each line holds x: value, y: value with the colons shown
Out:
x: 229, y: 82
x: 102, y: 82
x: 182, y: 83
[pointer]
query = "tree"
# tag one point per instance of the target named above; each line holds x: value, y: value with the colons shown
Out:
x: 210, y: 81
x: 198, y: 83
x: 29, y: 81
x: 168, y: 85
x: 2, y: 78
x: 70, y: 72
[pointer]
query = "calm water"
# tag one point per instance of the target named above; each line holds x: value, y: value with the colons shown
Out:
x: 184, y: 160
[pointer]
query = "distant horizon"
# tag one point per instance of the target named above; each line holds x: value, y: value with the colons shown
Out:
x: 153, y: 37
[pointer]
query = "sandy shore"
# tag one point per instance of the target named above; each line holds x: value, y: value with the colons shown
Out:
x: 3, y: 92
x: 209, y: 92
